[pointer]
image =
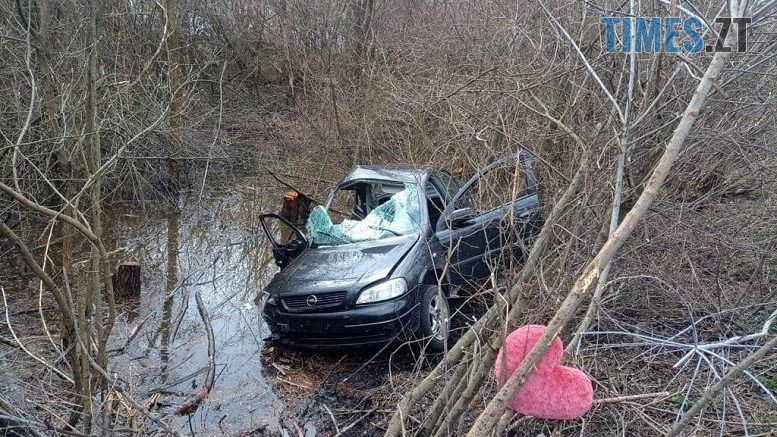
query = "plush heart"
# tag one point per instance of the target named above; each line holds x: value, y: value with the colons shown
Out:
x: 552, y: 391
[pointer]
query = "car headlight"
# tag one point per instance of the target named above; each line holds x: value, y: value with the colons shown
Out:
x: 383, y: 291
x: 270, y: 300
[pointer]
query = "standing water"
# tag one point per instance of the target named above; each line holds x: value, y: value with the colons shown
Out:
x: 211, y: 246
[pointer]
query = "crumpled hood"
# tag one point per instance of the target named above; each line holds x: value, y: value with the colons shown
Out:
x: 350, y: 266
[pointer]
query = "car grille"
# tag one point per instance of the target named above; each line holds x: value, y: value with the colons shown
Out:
x: 322, y: 301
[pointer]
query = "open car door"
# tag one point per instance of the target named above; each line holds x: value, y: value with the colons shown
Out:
x: 287, y: 240
x: 491, y: 220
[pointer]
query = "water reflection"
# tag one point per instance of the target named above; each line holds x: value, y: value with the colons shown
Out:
x: 170, y: 284
x: 213, y: 247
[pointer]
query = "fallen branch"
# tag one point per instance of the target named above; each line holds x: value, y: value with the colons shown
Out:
x: 731, y: 341
x: 166, y: 388
x: 692, y: 348
x: 191, y: 405
x: 716, y: 388
x: 348, y: 428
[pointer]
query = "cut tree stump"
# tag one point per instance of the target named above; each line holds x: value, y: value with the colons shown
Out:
x: 296, y: 209
x: 126, y: 281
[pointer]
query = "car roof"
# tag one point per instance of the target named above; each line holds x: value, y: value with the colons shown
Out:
x: 387, y: 173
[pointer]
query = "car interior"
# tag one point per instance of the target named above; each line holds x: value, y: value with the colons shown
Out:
x: 435, y: 203
x: 360, y: 198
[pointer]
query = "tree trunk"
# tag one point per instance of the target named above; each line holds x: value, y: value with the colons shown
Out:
x: 174, y: 72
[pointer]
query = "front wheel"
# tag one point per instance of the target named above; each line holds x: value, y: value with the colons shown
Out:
x: 435, y: 319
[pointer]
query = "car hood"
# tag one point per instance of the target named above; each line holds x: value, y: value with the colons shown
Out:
x: 345, y: 267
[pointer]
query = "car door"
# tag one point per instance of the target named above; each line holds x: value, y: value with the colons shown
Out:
x: 286, y: 240
x: 491, y: 219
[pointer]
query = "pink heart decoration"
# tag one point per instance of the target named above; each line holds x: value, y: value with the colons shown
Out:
x: 552, y: 391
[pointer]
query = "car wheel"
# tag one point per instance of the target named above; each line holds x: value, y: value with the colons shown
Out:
x: 435, y: 315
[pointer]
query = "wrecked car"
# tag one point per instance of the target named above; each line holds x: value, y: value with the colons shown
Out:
x: 390, y: 246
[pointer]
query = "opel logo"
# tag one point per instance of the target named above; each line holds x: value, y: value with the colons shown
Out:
x: 312, y: 300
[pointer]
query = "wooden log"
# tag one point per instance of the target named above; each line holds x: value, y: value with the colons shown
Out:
x: 126, y: 281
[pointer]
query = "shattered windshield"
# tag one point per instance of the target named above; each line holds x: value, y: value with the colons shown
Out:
x: 376, y: 211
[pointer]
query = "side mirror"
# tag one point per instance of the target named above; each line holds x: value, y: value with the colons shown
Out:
x: 458, y: 218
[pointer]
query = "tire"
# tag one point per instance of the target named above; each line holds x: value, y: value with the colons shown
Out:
x: 434, y: 329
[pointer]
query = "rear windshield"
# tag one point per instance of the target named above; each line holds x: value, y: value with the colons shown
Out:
x: 366, y: 211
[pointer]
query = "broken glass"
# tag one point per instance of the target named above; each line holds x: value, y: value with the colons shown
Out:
x: 400, y: 215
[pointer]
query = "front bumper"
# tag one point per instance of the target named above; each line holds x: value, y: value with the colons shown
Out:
x: 366, y: 325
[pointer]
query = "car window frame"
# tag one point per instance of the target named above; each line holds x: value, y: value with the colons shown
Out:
x: 523, y: 158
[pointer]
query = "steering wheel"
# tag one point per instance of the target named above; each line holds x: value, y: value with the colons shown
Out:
x: 295, y: 244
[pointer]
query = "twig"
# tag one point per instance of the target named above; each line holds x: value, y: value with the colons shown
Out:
x: 588, y: 66
x: 731, y: 341
x: 21, y: 345
x: 291, y: 187
x: 133, y: 333
x: 701, y: 353
x: 347, y: 428
x: 456, y: 91
x: 191, y: 406
x: 627, y: 398
x: 218, y: 128
x: 279, y: 369
x: 167, y: 387
x: 332, y: 416
x: 40, y: 290
x: 716, y: 388
x: 306, y: 387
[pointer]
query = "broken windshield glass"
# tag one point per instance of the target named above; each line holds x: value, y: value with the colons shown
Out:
x: 399, y: 215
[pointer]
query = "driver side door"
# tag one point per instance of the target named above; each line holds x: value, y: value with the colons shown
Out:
x: 486, y: 221
x: 286, y: 240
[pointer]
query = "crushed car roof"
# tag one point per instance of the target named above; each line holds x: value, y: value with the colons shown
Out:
x: 386, y: 173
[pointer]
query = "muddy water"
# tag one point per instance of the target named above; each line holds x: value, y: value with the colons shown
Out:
x: 211, y: 246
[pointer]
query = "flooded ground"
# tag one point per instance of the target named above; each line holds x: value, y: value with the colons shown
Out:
x: 207, y: 246
x: 213, y: 246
